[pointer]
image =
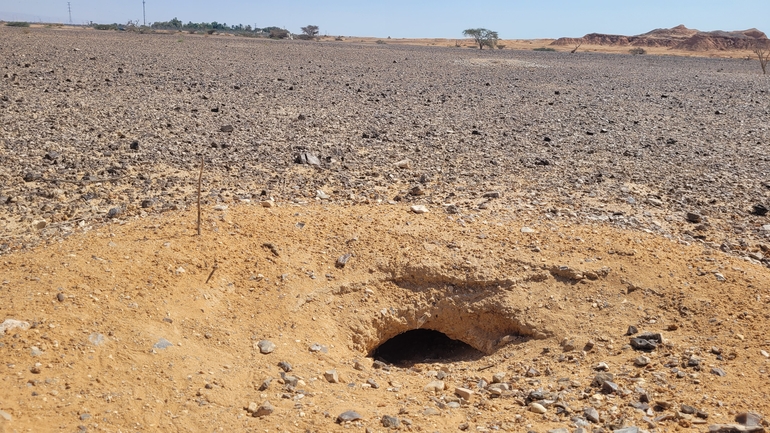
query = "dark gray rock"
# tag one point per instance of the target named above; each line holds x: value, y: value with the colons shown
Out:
x: 694, y: 218
x: 32, y: 176
x: 748, y: 419
x: 591, y: 414
x: 718, y: 371
x: 601, y: 378
x: 388, y: 421
x: 347, y: 416
x: 285, y: 366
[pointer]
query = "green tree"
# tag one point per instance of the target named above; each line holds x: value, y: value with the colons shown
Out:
x: 482, y: 37
x: 310, y: 31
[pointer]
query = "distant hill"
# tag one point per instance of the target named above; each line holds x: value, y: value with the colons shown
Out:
x: 679, y: 37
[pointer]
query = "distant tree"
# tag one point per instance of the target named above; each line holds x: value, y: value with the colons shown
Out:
x: 482, y: 37
x: 310, y: 31
x: 762, y: 50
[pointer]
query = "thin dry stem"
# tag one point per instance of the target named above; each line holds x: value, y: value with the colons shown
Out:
x: 200, y: 179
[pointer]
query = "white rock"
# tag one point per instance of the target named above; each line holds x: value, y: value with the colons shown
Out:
x: 537, y: 408
x: 418, y: 208
x: 39, y: 224
x: 267, y: 203
x: 322, y: 195
x: 220, y: 207
x: 9, y: 324
x: 404, y: 163
x: 527, y: 230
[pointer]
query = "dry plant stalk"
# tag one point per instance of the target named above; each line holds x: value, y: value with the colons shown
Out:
x: 763, y: 53
x: 200, y: 178
x: 216, y: 266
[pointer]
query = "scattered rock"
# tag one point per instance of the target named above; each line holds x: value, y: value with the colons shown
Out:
x: 748, y: 419
x: 316, y: 347
x: 308, y: 159
x: 735, y: 428
x: 226, y: 128
x: 266, y: 346
x: 527, y: 230
x: 388, y: 421
x: 591, y: 414
x: 264, y: 409
x: 342, y: 260
x: 404, y: 164
x: 331, y: 376
x: 641, y: 361
x: 537, y: 408
x: 9, y: 324
x: 464, y: 393
x: 419, y: 209
x: 285, y: 366
x: 694, y: 218
x: 718, y: 372
x: 759, y: 210
x: 434, y: 386
x: 32, y: 176
x: 348, y: 416
x: 162, y: 344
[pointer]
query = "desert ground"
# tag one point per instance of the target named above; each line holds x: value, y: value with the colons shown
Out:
x: 393, y: 237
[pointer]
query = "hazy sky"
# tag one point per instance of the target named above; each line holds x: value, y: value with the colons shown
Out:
x: 517, y: 19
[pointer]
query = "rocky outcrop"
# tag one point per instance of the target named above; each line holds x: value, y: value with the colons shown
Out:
x: 679, y: 37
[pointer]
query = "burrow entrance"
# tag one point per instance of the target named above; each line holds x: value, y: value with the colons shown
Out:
x: 425, y: 316
x: 424, y: 346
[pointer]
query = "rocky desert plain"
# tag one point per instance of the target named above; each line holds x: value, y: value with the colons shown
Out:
x: 392, y: 237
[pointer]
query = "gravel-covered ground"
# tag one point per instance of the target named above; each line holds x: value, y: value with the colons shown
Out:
x: 106, y: 124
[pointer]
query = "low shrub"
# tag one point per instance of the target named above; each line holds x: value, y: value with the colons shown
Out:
x: 544, y: 49
x: 17, y: 24
x: 637, y: 50
x: 105, y: 27
x: 380, y: 42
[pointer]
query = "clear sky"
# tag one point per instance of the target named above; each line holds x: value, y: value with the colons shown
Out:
x: 516, y: 19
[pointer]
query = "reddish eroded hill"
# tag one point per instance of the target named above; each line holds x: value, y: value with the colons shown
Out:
x: 679, y: 37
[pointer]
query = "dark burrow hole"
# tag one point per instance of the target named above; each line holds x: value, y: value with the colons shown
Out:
x: 424, y: 345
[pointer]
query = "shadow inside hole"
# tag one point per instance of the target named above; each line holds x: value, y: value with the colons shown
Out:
x: 424, y: 346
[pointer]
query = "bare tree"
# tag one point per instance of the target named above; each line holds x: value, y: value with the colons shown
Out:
x: 576, y: 48
x: 762, y: 50
x: 309, y: 32
x: 482, y: 37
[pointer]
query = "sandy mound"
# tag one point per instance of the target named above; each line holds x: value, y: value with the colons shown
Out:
x: 145, y: 326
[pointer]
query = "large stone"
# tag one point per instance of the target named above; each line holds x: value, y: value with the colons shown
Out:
x: 264, y: 409
x: 347, y: 416
x: 331, y: 376
x: 464, y: 393
x: 388, y: 421
x: 591, y: 414
x: 748, y: 419
x: 266, y: 346
x: 435, y: 386
x: 537, y: 408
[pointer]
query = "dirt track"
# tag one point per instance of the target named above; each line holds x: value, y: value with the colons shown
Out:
x: 539, y: 254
